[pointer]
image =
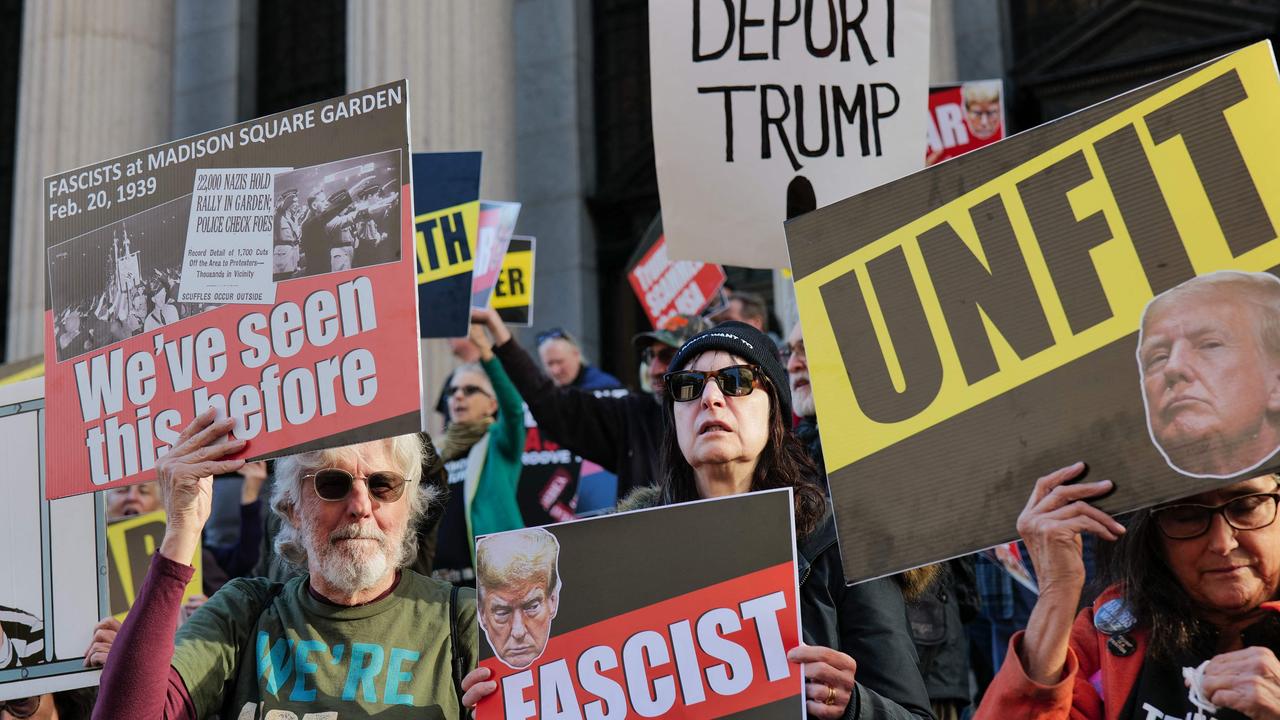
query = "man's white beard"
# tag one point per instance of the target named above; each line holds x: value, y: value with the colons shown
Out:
x: 352, y: 566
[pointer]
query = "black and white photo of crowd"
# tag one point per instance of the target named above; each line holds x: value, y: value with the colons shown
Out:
x: 337, y: 216
x: 119, y: 280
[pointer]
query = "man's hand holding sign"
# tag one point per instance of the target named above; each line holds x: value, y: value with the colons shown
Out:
x: 186, y: 481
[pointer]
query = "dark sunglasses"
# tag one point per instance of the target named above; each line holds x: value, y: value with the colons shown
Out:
x: 790, y: 349
x: 467, y: 390
x: 334, y: 484
x: 734, y: 381
x: 21, y: 707
x: 665, y: 355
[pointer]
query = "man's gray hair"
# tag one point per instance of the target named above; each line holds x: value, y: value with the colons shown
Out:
x: 408, y: 456
x: 1257, y: 291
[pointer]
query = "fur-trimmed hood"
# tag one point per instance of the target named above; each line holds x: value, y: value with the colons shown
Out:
x: 913, y: 583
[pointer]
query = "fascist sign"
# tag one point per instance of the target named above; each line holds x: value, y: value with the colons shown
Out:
x: 666, y: 287
x: 53, y: 587
x: 446, y: 218
x: 155, y: 310
x: 513, y: 293
x: 764, y: 110
x: 1072, y: 293
x: 604, y: 631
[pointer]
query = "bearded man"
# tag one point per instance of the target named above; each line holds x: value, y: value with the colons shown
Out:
x: 355, y: 635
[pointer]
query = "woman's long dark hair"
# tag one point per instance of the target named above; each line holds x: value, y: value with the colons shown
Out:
x: 1154, y: 596
x: 782, y: 463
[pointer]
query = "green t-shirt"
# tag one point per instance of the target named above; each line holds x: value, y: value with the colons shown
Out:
x: 242, y: 658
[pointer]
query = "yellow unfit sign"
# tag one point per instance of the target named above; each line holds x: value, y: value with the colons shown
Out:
x: 1046, y: 260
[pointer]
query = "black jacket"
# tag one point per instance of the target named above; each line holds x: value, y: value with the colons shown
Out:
x: 867, y: 622
x: 621, y: 434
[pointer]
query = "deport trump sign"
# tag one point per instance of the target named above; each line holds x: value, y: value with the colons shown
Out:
x: 1100, y: 288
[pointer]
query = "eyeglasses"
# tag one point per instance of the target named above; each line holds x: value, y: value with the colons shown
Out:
x: 794, y: 348
x: 467, y: 390
x: 734, y: 381
x: 335, y: 484
x: 21, y: 707
x: 1188, y: 520
x: 664, y: 355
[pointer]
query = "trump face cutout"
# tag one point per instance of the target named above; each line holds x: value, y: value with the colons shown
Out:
x: 1209, y: 360
x: 518, y: 586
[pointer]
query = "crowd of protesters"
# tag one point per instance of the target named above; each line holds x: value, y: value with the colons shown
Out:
x: 367, y: 553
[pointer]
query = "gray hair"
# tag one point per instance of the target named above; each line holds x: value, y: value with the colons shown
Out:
x: 1258, y: 292
x: 407, y: 453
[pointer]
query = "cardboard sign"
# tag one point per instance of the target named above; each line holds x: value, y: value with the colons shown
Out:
x: 975, y: 326
x: 497, y: 223
x: 667, y: 287
x: 446, y: 219
x: 53, y: 589
x: 963, y: 117
x: 513, y: 293
x: 758, y: 109
x: 131, y: 542
x: 606, y: 629
x: 128, y: 367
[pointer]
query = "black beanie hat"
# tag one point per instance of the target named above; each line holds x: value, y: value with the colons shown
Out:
x: 739, y: 338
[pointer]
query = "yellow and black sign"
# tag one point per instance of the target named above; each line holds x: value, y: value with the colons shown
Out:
x: 974, y: 326
x: 130, y: 544
x: 446, y: 220
x: 513, y: 295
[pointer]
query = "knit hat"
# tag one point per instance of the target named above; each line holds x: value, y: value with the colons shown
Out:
x: 674, y: 331
x: 748, y: 343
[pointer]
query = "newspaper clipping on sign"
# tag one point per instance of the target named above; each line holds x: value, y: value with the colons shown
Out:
x: 604, y: 631
x: 1090, y: 290
x: 265, y: 270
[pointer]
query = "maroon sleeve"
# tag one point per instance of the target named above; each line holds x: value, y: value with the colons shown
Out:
x: 134, y: 681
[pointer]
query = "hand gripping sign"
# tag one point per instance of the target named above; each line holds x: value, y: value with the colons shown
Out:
x: 1058, y: 296
x: 155, y: 309
x: 579, y: 620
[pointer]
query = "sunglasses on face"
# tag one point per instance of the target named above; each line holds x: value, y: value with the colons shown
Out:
x: 734, y: 381
x: 1186, y: 521
x: 335, y: 484
x: 792, y: 349
x: 553, y: 334
x: 21, y: 707
x: 663, y: 355
x: 467, y: 390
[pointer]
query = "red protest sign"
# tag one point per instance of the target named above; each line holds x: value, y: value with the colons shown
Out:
x: 668, y: 287
x: 702, y: 634
x: 274, y: 283
x: 963, y: 117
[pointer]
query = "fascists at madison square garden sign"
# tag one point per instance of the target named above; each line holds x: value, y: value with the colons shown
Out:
x: 264, y: 270
x: 580, y: 620
x: 1100, y: 288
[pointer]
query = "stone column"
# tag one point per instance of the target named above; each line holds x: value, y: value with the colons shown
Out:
x: 459, y: 58
x: 96, y: 81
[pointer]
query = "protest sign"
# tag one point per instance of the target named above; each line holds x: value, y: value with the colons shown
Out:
x: 131, y: 542
x: 497, y: 223
x: 446, y: 218
x: 52, y: 587
x: 963, y: 117
x: 333, y: 359
x: 756, y: 111
x: 513, y: 293
x: 667, y: 287
x: 607, y: 630
x: 975, y: 326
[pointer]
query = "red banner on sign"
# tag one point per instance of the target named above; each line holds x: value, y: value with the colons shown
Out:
x: 666, y: 287
x: 963, y: 117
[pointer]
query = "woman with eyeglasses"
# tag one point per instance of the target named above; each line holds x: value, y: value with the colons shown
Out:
x: 482, y: 449
x: 728, y: 412
x: 1188, y: 627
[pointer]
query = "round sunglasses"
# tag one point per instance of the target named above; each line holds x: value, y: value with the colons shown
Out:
x: 335, y: 484
x: 734, y: 381
x: 21, y: 707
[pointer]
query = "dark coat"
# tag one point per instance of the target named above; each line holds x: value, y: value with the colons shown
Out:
x: 867, y: 622
x: 621, y: 434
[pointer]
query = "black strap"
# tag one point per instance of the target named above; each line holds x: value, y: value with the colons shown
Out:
x: 453, y: 641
